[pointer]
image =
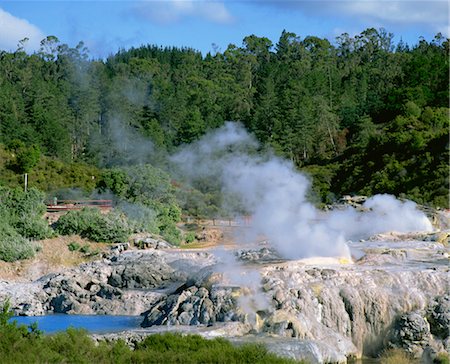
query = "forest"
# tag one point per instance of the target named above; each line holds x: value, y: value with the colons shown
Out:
x: 361, y: 115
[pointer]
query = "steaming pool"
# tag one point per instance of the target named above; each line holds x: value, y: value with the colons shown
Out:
x: 95, y: 324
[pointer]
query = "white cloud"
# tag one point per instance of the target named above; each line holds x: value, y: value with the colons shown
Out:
x: 13, y: 29
x: 172, y: 11
x: 426, y: 14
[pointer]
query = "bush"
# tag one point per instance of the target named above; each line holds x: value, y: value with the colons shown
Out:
x: 142, y: 218
x: 396, y: 356
x: 13, y: 246
x: 73, y: 246
x: 176, y: 348
x: 85, y: 249
x: 442, y: 358
x: 24, y: 211
x: 90, y: 223
x: 189, y: 237
x: 147, y: 187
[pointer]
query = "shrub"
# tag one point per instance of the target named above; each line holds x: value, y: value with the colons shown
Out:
x: 396, y: 356
x: 149, y: 187
x: 13, y: 246
x: 74, y: 246
x: 34, y: 227
x: 142, y: 218
x: 175, y: 348
x: 90, y: 223
x: 442, y: 358
x: 85, y: 249
x: 189, y: 237
x: 171, y: 233
x: 24, y: 211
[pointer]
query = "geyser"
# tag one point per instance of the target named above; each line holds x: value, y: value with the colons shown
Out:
x: 274, y: 193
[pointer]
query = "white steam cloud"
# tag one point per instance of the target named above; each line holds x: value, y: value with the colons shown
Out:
x: 386, y: 213
x: 126, y: 146
x: 274, y: 193
x: 251, y: 299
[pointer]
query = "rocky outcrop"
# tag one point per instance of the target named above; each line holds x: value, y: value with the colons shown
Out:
x: 438, y: 315
x: 395, y: 295
x: 351, y: 312
x: 122, y: 284
x: 262, y: 255
x: 151, y: 243
x: 423, y: 333
x: 356, y: 308
x: 411, y: 332
x: 194, y: 306
x: 25, y: 298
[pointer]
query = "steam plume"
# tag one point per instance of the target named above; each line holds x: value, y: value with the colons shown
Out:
x: 274, y: 193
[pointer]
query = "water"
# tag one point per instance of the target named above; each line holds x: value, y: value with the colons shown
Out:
x: 97, y: 324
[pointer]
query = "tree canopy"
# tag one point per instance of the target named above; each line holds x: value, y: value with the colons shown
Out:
x: 362, y: 114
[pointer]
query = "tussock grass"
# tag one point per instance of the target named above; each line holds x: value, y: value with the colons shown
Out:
x: 397, y: 356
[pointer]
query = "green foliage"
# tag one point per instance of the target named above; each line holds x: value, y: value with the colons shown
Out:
x: 20, y: 219
x: 27, y: 158
x: 85, y: 249
x: 354, y: 102
x: 24, y: 211
x: 115, y: 180
x: 5, y: 313
x: 204, y: 204
x: 13, y: 246
x: 412, y: 110
x: 150, y: 188
x: 175, y: 348
x: 408, y: 158
x: 20, y: 344
x: 322, y: 179
x: 189, y: 237
x: 73, y: 246
x: 49, y: 174
x: 141, y: 217
x: 90, y: 223
x: 442, y: 358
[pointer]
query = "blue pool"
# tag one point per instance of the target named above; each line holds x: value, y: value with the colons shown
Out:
x: 93, y: 323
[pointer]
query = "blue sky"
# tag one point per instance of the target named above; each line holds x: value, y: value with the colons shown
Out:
x: 106, y: 26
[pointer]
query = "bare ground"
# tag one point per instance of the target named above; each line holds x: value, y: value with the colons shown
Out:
x: 54, y: 256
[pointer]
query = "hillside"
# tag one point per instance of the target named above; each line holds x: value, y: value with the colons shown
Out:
x: 361, y: 114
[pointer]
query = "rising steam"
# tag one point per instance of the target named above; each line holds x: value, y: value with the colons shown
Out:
x: 274, y: 193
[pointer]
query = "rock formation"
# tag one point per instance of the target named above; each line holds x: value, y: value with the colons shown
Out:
x: 395, y: 295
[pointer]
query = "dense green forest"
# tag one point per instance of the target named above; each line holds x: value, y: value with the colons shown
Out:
x: 360, y: 114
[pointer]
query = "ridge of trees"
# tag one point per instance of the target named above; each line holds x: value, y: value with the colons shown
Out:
x: 363, y: 115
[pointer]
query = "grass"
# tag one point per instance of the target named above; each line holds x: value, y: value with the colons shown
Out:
x: 19, y: 344
x: 397, y: 356
x: 195, y: 245
x: 54, y: 255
